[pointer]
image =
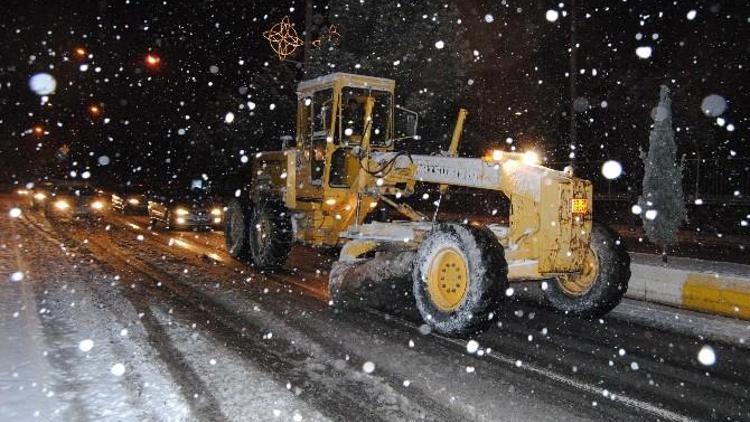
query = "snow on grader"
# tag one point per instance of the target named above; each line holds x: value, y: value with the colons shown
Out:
x: 328, y: 190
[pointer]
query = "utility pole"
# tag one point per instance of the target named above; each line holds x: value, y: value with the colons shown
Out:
x: 573, y: 72
x: 308, y: 36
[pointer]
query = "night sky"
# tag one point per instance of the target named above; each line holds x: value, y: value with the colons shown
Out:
x: 168, y: 122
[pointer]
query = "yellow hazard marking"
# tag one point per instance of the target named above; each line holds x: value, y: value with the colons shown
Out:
x: 717, y: 295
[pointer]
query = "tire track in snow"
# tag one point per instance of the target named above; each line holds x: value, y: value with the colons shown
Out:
x: 206, y: 407
x: 284, y: 361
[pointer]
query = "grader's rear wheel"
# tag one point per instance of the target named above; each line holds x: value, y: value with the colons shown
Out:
x: 270, y: 234
x: 459, y: 275
x: 601, y: 284
x: 236, y: 230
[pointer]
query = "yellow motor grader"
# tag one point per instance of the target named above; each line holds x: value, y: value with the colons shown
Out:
x: 328, y: 189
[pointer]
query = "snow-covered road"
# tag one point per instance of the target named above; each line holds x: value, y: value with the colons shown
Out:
x: 110, y: 321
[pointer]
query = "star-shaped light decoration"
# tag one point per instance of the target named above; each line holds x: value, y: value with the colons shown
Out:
x: 331, y: 34
x: 283, y: 38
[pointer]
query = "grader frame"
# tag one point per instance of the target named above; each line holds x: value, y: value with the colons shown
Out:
x: 342, y: 168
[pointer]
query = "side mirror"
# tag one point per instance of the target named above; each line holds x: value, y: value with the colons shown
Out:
x: 407, y: 123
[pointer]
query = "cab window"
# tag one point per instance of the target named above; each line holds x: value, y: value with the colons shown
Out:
x: 321, y: 112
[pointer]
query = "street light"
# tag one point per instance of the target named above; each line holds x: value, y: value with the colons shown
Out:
x: 80, y: 52
x: 95, y: 110
x: 152, y: 60
x: 38, y: 130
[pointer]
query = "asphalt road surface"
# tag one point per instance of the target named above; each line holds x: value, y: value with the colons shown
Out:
x: 106, y: 319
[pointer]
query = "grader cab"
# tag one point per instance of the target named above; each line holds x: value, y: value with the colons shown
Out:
x: 327, y: 190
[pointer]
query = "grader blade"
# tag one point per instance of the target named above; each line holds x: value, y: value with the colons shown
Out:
x: 383, y: 282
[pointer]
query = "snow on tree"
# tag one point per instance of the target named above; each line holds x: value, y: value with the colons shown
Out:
x: 421, y: 45
x: 662, y: 199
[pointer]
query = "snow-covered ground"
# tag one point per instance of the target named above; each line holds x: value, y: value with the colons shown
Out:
x: 109, y: 321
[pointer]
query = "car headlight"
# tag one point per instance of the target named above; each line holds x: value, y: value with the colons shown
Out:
x: 216, y: 212
x: 134, y: 201
x: 40, y: 196
x: 97, y: 205
x: 62, y: 205
x: 181, y: 211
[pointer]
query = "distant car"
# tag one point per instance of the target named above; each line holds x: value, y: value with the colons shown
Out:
x: 71, y: 199
x: 131, y: 200
x: 188, y: 209
x: 39, y: 193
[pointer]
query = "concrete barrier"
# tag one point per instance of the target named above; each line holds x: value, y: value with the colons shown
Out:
x: 706, y: 286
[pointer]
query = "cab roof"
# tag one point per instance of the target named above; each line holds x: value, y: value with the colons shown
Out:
x: 345, y: 79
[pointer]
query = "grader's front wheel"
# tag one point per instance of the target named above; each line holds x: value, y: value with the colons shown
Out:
x: 237, y: 229
x: 270, y: 234
x: 459, y: 275
x: 602, y: 282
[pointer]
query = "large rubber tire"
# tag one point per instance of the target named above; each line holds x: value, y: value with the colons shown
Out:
x: 270, y: 234
x: 236, y: 230
x: 487, y: 271
x: 611, y: 282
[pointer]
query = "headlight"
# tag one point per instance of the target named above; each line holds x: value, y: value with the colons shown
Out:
x: 181, y: 211
x: 216, y: 211
x: 531, y: 158
x: 97, y: 205
x: 180, y: 220
x: 134, y: 201
x: 62, y: 205
x: 497, y: 155
x: 40, y: 196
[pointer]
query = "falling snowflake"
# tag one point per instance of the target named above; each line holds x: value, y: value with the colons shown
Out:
x: 368, y: 367
x: 43, y: 84
x: 472, y: 346
x: 86, y: 345
x: 229, y: 118
x: 707, y: 356
x: 713, y: 105
x: 552, y: 15
x: 16, y: 276
x: 611, y: 169
x: 439, y: 45
x: 118, y: 370
x: 14, y: 212
x: 643, y: 52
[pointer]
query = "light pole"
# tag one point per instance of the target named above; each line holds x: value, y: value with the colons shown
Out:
x: 573, y: 71
x: 308, y: 36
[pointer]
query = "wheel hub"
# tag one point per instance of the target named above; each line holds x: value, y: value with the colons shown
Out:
x: 447, y: 279
x: 581, y: 283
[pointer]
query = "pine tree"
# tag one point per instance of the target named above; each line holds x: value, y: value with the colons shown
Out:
x: 662, y: 200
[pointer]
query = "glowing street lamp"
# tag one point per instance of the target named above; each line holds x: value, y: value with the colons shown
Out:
x: 80, y: 52
x: 95, y: 110
x: 38, y: 130
x: 152, y: 60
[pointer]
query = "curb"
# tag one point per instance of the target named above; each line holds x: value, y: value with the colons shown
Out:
x: 705, y: 286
